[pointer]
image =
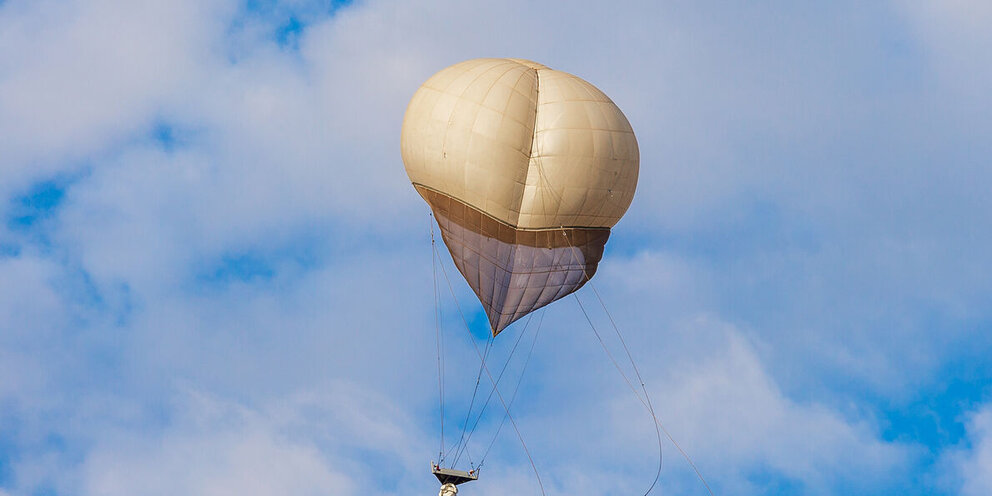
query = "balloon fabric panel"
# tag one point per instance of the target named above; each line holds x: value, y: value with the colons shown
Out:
x: 526, y: 169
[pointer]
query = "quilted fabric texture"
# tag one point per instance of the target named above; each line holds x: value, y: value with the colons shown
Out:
x: 531, y: 146
x: 526, y: 169
x: 514, y: 271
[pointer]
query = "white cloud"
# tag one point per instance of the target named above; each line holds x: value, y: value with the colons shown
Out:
x: 76, y: 78
x: 967, y: 470
x: 31, y: 314
x: 216, y: 447
x: 290, y: 159
x: 343, y: 439
x: 957, y: 43
x: 734, y: 418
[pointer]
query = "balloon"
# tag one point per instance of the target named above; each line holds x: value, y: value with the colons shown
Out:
x: 526, y: 170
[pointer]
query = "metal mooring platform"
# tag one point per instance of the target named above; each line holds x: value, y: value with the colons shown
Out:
x: 452, y: 476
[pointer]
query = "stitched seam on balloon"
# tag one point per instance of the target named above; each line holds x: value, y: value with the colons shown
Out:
x: 507, y: 224
x: 533, y: 124
x: 531, y: 162
x: 447, y: 127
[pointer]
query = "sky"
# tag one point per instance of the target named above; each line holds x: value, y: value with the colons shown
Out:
x: 216, y: 279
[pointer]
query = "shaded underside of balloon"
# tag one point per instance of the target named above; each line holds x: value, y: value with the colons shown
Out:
x: 514, y: 271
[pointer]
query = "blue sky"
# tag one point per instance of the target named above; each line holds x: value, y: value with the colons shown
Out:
x: 215, y: 277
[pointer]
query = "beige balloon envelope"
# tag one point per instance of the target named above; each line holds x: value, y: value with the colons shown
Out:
x: 526, y: 169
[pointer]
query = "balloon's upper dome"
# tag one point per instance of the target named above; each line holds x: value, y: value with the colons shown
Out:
x: 529, y: 146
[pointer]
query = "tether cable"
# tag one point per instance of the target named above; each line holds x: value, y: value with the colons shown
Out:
x: 627, y: 351
x: 515, y: 389
x: 438, y: 341
x: 499, y: 377
x: 646, y: 401
x: 647, y: 405
x: 482, y: 410
x: 499, y: 395
x: 462, y: 441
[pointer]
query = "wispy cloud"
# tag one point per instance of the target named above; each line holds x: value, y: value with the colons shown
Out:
x: 214, y: 276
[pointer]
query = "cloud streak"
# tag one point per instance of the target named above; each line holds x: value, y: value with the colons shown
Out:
x: 211, y: 264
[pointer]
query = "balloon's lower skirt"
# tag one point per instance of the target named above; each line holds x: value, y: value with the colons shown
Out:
x: 515, y: 271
